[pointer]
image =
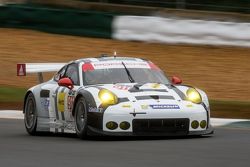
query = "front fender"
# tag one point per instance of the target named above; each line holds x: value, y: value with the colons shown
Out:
x: 94, y: 115
x: 204, y: 97
x: 89, y: 98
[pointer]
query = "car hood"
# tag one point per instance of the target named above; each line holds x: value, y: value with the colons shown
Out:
x: 147, y: 91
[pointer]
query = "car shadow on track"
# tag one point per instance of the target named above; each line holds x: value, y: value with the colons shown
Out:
x: 143, y: 138
x: 121, y: 138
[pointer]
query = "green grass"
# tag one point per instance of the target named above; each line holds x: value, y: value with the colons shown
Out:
x: 230, y: 109
x: 219, y: 108
x: 11, y: 94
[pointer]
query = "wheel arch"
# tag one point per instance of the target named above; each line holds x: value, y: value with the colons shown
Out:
x: 75, y: 101
x: 88, y: 97
x: 25, y: 98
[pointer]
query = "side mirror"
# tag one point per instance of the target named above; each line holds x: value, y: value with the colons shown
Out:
x: 66, y: 82
x: 176, y: 80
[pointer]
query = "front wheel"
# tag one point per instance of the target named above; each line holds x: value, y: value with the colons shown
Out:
x: 30, y: 115
x: 81, y: 118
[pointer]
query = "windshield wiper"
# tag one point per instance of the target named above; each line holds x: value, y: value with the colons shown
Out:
x: 129, y: 75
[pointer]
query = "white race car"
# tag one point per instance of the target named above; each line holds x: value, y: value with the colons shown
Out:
x: 120, y: 96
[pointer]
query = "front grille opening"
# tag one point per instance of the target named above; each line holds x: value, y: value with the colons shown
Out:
x: 164, y: 126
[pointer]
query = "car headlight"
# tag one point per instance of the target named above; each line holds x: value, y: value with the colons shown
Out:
x: 193, y: 95
x: 107, y: 97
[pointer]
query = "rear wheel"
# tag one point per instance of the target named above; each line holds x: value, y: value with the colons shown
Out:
x: 81, y: 118
x: 30, y: 115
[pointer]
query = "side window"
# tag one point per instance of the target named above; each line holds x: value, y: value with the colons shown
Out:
x: 72, y: 73
x: 60, y: 74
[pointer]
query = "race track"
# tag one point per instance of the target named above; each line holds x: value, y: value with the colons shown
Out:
x: 227, y: 147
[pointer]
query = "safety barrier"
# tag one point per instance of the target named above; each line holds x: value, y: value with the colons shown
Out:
x: 136, y: 28
x: 239, y: 6
x: 62, y: 21
x: 166, y: 30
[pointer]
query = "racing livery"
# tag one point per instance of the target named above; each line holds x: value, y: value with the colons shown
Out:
x: 113, y: 96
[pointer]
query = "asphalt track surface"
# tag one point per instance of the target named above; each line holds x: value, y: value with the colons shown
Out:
x: 227, y: 147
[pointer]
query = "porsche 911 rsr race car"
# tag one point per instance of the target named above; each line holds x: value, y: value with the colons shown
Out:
x: 113, y: 96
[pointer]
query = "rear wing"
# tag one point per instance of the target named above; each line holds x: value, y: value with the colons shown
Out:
x: 39, y: 68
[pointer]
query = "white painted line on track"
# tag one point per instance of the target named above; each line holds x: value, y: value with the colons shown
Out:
x: 11, y: 114
x: 224, y: 122
x: 17, y: 114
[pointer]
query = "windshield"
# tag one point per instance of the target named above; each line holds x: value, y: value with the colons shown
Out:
x: 120, y: 75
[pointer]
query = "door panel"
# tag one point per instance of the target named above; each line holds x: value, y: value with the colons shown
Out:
x: 64, y: 100
x: 63, y: 109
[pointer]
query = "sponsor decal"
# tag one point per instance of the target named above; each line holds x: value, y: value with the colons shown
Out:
x: 87, y: 67
x: 126, y: 105
x: 189, y: 105
x: 153, y: 66
x: 60, y: 102
x: 122, y: 87
x: 155, y: 85
x: 144, y: 107
x: 164, y: 106
x: 45, y: 104
x: 135, y: 113
x: 72, y: 93
x: 68, y: 126
x: 70, y: 100
x: 95, y: 109
x: 21, y: 70
x: 114, y: 64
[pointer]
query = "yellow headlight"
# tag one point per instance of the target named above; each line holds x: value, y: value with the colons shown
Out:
x: 107, y: 97
x: 193, y: 95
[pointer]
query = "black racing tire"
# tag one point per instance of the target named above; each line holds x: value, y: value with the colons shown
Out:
x: 81, y: 120
x: 30, y: 115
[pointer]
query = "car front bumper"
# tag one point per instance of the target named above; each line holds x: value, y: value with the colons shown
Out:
x: 97, y: 132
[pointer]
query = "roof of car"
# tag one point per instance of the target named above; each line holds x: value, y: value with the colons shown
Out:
x: 109, y: 58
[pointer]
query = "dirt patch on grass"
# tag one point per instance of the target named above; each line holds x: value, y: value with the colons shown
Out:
x: 223, y: 72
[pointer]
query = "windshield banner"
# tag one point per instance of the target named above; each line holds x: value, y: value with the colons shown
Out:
x: 115, y: 64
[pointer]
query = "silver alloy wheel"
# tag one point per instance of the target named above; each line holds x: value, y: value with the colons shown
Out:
x: 30, y: 114
x: 80, y: 111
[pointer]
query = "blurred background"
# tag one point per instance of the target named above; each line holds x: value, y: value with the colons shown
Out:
x: 204, y: 42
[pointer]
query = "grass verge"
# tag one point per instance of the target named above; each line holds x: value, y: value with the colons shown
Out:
x: 230, y: 109
x: 11, y: 94
x: 12, y: 98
